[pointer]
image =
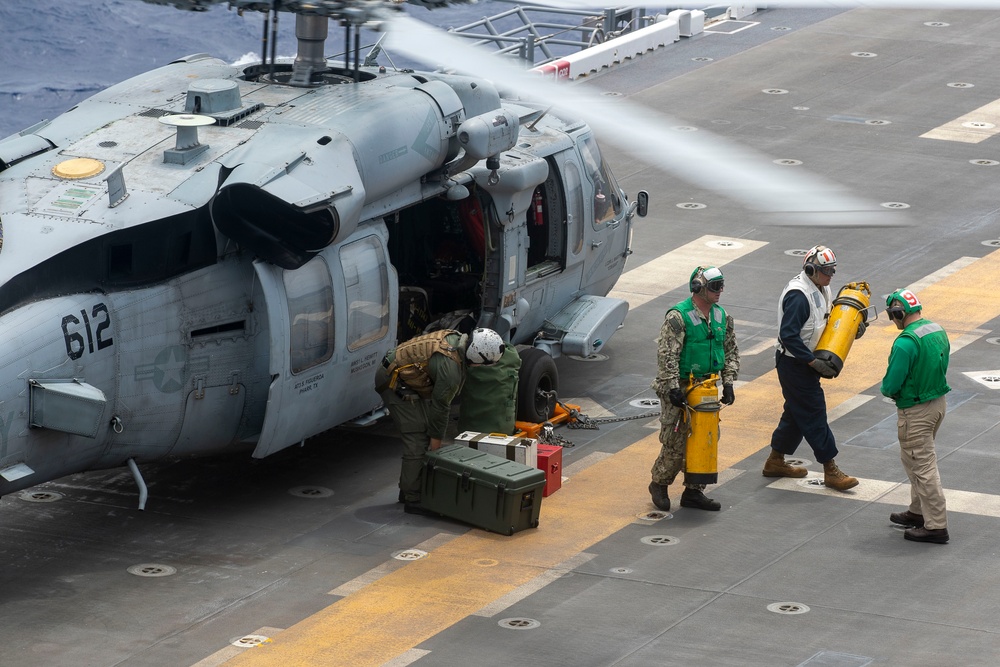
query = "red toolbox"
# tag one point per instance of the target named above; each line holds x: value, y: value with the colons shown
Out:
x: 550, y: 462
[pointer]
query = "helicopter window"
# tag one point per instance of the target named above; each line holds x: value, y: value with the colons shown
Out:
x: 574, y: 205
x: 607, y: 204
x: 309, y: 291
x: 367, y: 291
x: 545, y: 228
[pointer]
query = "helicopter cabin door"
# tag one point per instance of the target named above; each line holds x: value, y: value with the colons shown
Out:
x: 330, y: 323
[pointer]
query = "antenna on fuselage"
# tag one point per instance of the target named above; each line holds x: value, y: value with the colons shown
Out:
x: 187, y: 147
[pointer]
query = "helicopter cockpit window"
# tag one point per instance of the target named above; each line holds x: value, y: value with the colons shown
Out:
x: 607, y: 202
x: 367, y: 282
x: 574, y: 204
x: 309, y: 291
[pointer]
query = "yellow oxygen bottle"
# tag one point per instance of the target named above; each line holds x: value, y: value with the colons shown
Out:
x: 701, y: 463
x: 850, y: 309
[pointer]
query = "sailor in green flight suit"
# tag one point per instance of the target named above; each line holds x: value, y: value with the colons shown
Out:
x: 697, y: 338
x: 418, y: 382
x: 916, y: 380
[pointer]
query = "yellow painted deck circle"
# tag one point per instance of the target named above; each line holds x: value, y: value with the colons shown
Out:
x: 80, y: 167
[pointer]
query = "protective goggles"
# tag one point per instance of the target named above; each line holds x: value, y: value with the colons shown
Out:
x: 715, y: 286
x: 827, y: 270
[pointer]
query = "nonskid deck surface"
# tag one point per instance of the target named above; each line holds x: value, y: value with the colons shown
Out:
x: 308, y: 553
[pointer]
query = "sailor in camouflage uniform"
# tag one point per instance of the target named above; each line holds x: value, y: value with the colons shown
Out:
x: 697, y: 337
x: 418, y: 382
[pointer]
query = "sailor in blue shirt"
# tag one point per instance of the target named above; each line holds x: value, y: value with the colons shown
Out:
x: 803, y: 310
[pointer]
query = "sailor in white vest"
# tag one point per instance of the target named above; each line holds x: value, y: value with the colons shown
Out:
x: 803, y: 309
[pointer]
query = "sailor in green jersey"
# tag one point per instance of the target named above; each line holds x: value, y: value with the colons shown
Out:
x: 915, y: 380
x: 697, y: 338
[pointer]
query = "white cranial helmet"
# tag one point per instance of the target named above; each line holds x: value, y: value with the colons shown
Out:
x: 485, y: 347
x: 821, y: 259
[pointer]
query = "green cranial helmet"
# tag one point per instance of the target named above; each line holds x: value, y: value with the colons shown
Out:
x: 703, y: 277
x: 907, y: 301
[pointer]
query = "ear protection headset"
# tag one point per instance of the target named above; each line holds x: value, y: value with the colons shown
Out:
x: 702, y: 276
x: 698, y: 282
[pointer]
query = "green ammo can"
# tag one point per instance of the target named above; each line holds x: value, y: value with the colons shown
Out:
x: 486, y: 491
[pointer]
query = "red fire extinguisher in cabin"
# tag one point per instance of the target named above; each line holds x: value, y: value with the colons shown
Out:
x: 539, y: 213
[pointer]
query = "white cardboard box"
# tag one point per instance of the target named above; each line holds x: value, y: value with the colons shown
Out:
x: 522, y: 450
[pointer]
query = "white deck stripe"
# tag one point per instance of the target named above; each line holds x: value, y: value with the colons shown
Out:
x: 224, y: 655
x: 847, y: 406
x: 535, y: 585
x: 673, y: 269
x: 388, y: 567
x: 895, y: 493
x: 938, y: 275
x: 407, y: 658
x: 971, y: 128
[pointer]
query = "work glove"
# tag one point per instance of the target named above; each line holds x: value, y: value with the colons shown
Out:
x: 862, y: 327
x: 727, y: 394
x: 823, y: 367
x: 676, y: 397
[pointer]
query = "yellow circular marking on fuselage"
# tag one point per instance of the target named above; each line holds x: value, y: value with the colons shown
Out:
x: 77, y: 168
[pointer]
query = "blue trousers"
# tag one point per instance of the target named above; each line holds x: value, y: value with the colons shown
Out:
x: 804, y: 414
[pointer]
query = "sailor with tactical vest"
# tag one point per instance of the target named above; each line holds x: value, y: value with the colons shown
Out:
x: 697, y: 338
x: 418, y: 382
x: 803, y: 309
x: 915, y: 380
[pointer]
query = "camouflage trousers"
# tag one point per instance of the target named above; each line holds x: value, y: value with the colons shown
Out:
x: 673, y: 445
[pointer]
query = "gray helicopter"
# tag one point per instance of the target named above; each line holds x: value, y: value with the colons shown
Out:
x: 210, y: 258
x: 206, y: 258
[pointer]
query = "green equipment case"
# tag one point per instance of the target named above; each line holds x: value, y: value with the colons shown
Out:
x: 486, y: 491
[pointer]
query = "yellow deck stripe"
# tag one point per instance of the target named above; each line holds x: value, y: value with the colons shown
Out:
x: 970, y: 128
x: 415, y: 603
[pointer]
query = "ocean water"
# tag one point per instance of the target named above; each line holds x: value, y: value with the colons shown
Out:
x: 55, y: 53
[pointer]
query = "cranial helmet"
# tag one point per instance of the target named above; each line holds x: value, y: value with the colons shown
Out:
x: 819, y: 258
x: 485, y: 347
x: 704, y: 277
x: 908, y: 302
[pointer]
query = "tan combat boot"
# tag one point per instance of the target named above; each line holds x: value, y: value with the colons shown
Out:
x: 834, y: 478
x: 775, y: 466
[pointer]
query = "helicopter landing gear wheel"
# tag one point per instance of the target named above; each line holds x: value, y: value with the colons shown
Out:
x: 537, y: 384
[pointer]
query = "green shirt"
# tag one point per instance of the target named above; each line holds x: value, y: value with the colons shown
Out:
x: 918, y: 365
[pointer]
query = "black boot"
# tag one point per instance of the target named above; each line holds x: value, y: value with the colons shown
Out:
x: 698, y: 500
x: 921, y: 534
x: 659, y: 495
x: 907, y: 518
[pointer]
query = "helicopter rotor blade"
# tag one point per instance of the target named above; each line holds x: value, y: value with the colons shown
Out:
x: 787, y: 196
x: 804, y: 4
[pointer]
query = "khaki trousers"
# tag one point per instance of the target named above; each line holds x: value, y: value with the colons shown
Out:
x: 916, y: 428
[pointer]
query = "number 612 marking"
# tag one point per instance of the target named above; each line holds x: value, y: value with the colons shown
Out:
x: 75, y: 345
